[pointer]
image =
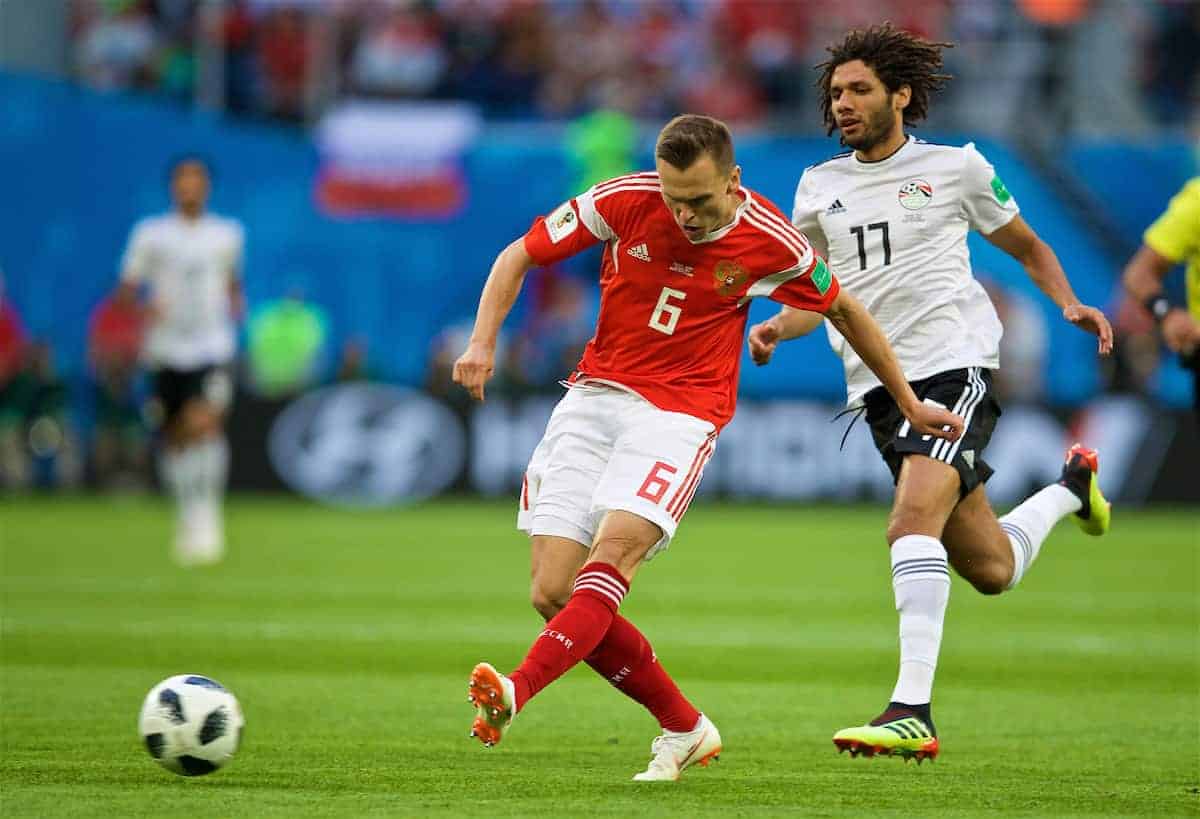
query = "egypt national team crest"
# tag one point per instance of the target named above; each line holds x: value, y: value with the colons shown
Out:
x: 915, y: 194
x: 729, y: 276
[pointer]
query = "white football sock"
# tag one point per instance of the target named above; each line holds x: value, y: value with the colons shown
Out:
x: 1028, y: 525
x: 183, y: 472
x: 169, y: 464
x: 216, y: 466
x: 921, y: 580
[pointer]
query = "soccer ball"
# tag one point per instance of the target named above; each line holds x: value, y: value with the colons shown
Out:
x: 191, y: 725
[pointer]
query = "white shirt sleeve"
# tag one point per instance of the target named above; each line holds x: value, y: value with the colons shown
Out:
x: 237, y: 250
x: 136, y: 262
x: 987, y: 203
x: 805, y: 211
x: 591, y: 217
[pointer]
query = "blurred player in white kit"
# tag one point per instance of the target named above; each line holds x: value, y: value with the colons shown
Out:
x: 185, y: 267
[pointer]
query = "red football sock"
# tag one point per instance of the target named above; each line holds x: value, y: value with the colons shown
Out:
x: 624, y: 658
x: 573, y: 633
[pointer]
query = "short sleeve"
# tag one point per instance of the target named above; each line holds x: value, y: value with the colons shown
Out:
x: 987, y: 203
x: 599, y: 214
x: 815, y: 290
x: 573, y: 226
x: 1176, y: 234
x: 810, y: 287
x: 237, y: 250
x: 136, y: 262
x: 806, y: 215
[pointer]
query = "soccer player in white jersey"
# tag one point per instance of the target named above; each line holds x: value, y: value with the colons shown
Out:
x: 892, y: 217
x: 185, y: 265
x: 686, y: 250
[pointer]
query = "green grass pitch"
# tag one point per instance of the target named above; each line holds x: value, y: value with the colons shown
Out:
x: 348, y: 637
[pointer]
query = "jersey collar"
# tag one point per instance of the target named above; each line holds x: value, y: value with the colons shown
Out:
x: 886, y: 161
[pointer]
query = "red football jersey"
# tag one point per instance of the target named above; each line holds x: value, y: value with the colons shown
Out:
x: 672, y: 311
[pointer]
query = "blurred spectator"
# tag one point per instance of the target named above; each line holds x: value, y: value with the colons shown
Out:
x: 1172, y: 79
x: 14, y: 461
x: 727, y: 90
x: 283, y: 59
x: 175, y: 66
x: 744, y: 60
x: 592, y: 53
x: 120, y: 443
x: 770, y: 38
x: 1056, y: 23
x: 286, y: 340
x: 236, y: 37
x: 499, y: 53
x: 50, y: 450
x: 115, y: 43
x: 400, y: 53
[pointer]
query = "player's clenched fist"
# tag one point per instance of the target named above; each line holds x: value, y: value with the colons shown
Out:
x: 474, y: 368
x: 764, y: 338
x: 930, y: 419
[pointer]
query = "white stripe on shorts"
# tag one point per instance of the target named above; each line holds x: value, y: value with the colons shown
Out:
x: 981, y: 393
x: 963, y: 408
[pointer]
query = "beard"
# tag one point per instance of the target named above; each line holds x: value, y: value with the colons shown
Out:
x: 876, y: 128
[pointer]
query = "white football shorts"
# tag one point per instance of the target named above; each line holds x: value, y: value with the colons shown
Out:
x: 606, y: 448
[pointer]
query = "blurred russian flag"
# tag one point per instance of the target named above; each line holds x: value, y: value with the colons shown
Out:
x: 398, y: 160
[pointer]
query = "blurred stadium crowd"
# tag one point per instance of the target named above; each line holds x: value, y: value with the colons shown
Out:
x: 745, y: 61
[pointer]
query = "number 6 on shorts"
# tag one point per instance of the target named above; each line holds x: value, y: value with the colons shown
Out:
x: 655, y: 485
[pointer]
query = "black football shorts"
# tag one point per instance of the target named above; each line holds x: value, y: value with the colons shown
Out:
x: 969, y: 394
x: 174, y: 388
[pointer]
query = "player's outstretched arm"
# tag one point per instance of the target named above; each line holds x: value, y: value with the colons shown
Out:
x: 475, y: 366
x: 866, y: 337
x: 788, y: 323
x: 1018, y: 240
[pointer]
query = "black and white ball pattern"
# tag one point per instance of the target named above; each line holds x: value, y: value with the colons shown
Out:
x: 191, y: 724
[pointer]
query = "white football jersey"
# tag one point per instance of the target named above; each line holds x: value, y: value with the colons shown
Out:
x: 894, y: 232
x: 188, y: 266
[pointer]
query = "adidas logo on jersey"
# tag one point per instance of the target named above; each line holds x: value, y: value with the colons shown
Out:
x: 640, y: 252
x: 836, y: 207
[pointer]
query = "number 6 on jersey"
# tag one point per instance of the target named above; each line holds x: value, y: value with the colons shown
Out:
x: 666, y: 315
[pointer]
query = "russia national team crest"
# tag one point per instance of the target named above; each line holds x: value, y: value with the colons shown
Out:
x: 915, y: 194
x: 729, y: 276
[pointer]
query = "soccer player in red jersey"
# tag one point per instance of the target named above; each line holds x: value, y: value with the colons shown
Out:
x: 686, y: 249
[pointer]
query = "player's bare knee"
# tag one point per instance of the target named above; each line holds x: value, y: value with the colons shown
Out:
x: 200, y: 420
x: 547, y: 598
x: 624, y: 551
x: 623, y: 540
x: 191, y: 425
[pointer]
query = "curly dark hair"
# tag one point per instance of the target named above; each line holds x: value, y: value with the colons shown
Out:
x: 897, y: 57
